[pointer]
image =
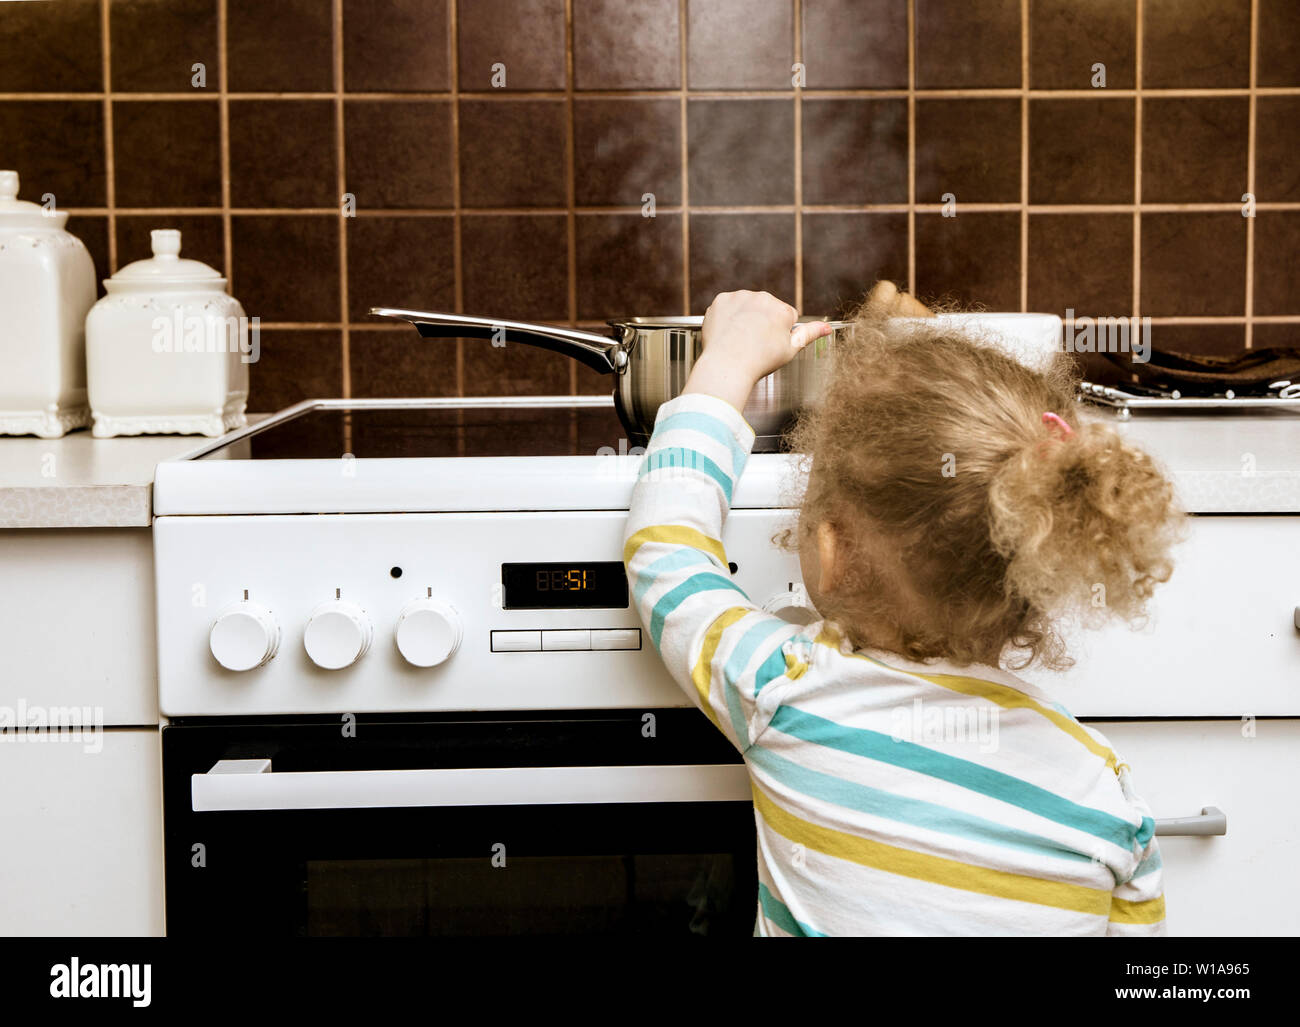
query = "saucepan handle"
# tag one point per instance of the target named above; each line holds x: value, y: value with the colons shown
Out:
x: 598, y: 352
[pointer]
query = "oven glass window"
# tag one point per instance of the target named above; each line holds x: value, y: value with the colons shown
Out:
x: 632, y: 894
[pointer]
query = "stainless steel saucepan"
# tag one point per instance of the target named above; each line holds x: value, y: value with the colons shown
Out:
x: 650, y: 358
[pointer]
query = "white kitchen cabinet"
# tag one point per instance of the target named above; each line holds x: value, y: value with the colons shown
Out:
x: 1222, y: 639
x: 77, y: 621
x: 81, y: 843
x: 1244, y: 882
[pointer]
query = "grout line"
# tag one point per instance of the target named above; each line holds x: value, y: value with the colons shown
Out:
x: 682, y: 64
x: 340, y: 178
x: 1250, y: 174
x: 911, y: 147
x: 110, y: 171
x: 1024, y: 155
x: 798, y: 162
x: 517, y: 95
x: 223, y: 116
x: 1137, y: 165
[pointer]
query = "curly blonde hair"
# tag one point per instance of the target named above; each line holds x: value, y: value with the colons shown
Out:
x: 950, y: 497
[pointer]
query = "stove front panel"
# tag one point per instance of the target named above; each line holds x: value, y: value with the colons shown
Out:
x: 314, y: 589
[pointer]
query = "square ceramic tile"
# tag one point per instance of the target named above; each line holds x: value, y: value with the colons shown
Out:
x: 515, y: 369
x: 1279, y: 43
x: 624, y: 149
x: 92, y: 230
x: 279, y: 46
x: 969, y: 148
x: 186, y: 172
x: 51, y: 47
x: 855, y: 44
x: 628, y: 265
x: 1206, y: 340
x: 1067, y: 39
x: 56, y: 146
x: 741, y: 151
x: 295, y: 365
x: 973, y: 258
x: 1194, y: 150
x: 511, y: 44
x: 845, y: 254
x: 155, y: 46
x: 854, y: 151
x: 1193, y: 264
x: 405, y: 262
x: 739, y: 44
x: 398, y: 153
x: 1275, y: 336
x: 605, y: 29
x: 1277, y: 255
x: 512, y: 153
x: 964, y: 45
x: 283, y: 153
x: 400, y: 363
x: 1081, y: 262
x: 407, y: 49
x: 286, y: 266
x: 1198, y: 44
x: 1081, y: 151
x: 1277, y: 141
x: 515, y: 266
x: 741, y: 251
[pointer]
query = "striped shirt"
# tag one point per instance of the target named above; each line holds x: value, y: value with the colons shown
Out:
x: 890, y: 797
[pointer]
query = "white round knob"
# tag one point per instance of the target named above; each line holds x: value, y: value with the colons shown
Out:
x: 792, y: 606
x: 338, y: 634
x: 244, y: 636
x: 428, y: 632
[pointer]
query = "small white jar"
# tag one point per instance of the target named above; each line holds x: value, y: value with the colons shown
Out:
x: 47, y: 283
x: 168, y: 349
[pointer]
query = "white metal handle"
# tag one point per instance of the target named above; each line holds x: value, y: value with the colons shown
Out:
x: 1212, y: 821
x: 245, y: 785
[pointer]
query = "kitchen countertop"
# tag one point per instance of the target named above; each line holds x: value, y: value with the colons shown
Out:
x: 1222, y: 463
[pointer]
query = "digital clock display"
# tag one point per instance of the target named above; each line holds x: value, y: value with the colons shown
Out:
x: 564, y: 586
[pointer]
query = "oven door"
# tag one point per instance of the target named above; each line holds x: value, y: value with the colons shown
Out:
x: 608, y: 822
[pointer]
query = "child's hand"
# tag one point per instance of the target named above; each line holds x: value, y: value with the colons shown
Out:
x: 747, y: 335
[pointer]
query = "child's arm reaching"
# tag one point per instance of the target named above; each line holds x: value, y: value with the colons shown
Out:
x: 717, y: 644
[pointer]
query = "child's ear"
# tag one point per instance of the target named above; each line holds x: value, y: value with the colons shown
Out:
x: 827, y: 558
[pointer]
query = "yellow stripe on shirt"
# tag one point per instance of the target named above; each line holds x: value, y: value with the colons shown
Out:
x: 934, y: 869
x: 676, y: 535
x: 1003, y: 695
x: 702, y: 674
x: 1150, y: 911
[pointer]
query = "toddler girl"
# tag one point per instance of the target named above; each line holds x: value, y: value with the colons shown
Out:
x: 955, y: 507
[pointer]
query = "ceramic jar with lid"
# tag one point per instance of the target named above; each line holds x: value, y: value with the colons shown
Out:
x: 168, y: 349
x: 47, y: 283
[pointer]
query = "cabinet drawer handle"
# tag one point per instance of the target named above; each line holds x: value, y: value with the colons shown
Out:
x: 1211, y: 821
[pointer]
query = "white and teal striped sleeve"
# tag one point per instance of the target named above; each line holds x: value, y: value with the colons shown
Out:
x: 725, y: 652
x: 1137, y: 905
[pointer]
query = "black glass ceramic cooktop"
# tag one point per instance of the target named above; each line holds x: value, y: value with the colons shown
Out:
x: 329, y: 433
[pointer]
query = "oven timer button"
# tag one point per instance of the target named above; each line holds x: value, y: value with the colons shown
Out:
x: 244, y: 636
x: 338, y: 634
x: 428, y: 632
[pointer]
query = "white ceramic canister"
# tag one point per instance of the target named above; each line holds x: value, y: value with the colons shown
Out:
x: 168, y: 349
x: 47, y: 283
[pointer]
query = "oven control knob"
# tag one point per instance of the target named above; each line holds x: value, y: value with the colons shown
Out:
x: 428, y: 632
x: 338, y: 634
x: 244, y: 636
x: 792, y: 606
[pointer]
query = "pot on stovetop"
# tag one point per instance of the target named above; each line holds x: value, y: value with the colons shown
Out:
x: 651, y: 358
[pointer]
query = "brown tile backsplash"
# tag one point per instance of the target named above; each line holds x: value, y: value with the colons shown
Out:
x: 801, y: 147
x: 164, y: 47
x: 1196, y: 44
x: 167, y: 153
x: 407, y: 49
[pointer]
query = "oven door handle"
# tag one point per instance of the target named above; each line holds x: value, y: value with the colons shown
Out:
x: 248, y: 785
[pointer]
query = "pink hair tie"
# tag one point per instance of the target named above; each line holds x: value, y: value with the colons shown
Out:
x: 1057, y: 423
